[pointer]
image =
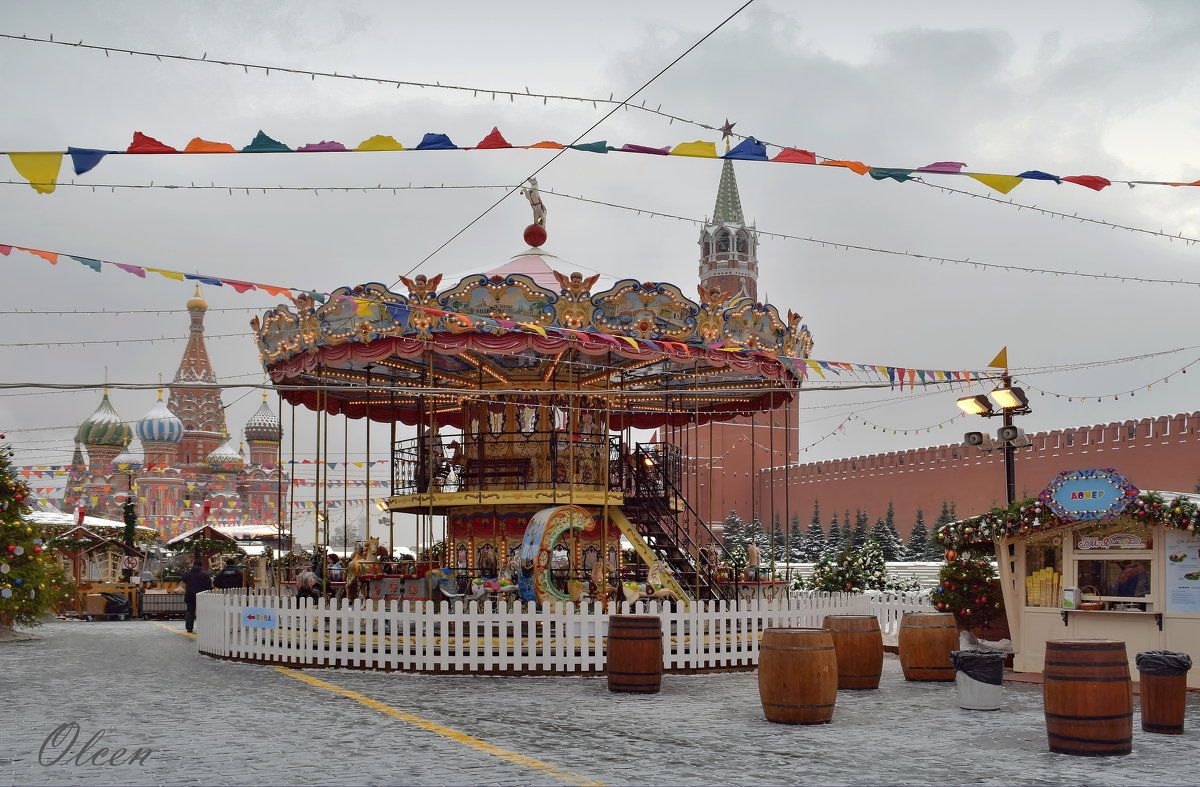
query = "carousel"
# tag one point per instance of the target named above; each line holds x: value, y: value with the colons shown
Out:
x: 528, y: 391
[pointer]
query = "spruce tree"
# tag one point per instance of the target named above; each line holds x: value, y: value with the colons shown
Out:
x: 733, y: 532
x: 852, y: 570
x: 777, y: 542
x: 796, y: 545
x: 888, y: 540
x: 933, y: 549
x: 859, y: 539
x: 753, y: 531
x: 833, y: 541
x: 814, y: 542
x: 129, y: 515
x: 31, y: 583
x: 918, y: 539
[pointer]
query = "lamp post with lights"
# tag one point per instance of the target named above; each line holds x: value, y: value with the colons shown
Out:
x: 1012, y: 401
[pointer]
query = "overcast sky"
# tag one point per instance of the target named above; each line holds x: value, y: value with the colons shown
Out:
x: 1072, y: 88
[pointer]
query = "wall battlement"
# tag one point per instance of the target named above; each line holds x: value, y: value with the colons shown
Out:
x: 1160, y: 453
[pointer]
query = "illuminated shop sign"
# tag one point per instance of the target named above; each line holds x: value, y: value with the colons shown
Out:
x: 1089, y: 494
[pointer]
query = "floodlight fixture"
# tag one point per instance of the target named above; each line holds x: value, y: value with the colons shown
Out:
x: 975, y: 405
x: 1010, y: 398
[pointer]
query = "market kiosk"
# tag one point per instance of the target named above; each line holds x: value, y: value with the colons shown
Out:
x: 1093, y: 557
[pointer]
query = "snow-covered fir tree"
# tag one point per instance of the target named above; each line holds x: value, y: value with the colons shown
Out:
x: 861, y: 529
x: 888, y: 540
x: 796, y: 541
x: 833, y: 541
x: 918, y: 539
x: 855, y: 570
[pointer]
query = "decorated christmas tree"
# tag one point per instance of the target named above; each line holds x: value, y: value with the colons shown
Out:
x: 969, y: 587
x: 30, y: 585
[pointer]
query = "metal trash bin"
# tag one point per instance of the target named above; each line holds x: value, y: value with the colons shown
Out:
x: 979, y: 675
x: 1163, y: 683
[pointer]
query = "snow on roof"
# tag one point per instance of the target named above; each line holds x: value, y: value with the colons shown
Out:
x: 195, y: 530
x: 48, y: 515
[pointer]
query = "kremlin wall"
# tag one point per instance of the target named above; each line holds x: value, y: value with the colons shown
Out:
x: 1161, y: 454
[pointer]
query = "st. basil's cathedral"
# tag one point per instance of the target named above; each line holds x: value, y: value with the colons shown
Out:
x: 192, y: 470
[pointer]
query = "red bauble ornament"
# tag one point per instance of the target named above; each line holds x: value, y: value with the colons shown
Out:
x: 951, y: 554
x: 535, y: 235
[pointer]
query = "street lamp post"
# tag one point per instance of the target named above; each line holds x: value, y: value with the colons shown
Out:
x: 1012, y: 402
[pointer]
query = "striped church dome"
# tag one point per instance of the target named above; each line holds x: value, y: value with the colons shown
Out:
x: 160, y: 425
x: 104, y: 428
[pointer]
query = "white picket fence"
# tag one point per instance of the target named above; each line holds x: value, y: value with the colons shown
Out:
x: 509, y: 638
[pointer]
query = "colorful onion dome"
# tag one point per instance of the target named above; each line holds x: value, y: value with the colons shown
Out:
x: 197, y: 303
x: 160, y: 425
x: 226, y: 456
x: 104, y: 428
x: 263, y: 426
x: 127, y: 460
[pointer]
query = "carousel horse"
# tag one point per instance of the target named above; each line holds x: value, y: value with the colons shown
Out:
x: 653, y: 590
x: 366, y: 560
x: 597, y: 588
x: 601, y: 588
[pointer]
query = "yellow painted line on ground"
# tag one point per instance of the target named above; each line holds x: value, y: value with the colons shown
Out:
x: 432, y: 726
x: 454, y: 735
x: 172, y: 628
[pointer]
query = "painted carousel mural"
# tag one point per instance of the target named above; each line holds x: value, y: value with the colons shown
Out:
x: 525, y: 386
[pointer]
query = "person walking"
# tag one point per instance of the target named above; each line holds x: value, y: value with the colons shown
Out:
x: 195, y: 580
x: 230, y: 576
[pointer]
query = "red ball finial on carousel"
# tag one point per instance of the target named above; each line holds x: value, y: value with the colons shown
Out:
x: 535, y: 233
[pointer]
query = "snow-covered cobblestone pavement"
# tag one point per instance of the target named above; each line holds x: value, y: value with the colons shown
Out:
x: 183, y: 718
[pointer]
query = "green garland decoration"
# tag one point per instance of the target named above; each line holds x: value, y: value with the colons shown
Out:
x: 1033, y: 516
x: 207, y: 545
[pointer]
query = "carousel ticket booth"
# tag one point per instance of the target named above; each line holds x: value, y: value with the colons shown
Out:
x: 1094, y: 558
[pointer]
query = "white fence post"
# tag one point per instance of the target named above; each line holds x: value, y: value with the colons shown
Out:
x: 474, y: 636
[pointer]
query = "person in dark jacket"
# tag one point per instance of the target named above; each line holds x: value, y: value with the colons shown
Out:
x: 229, y: 577
x: 195, y: 580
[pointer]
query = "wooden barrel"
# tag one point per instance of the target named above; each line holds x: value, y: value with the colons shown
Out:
x: 859, y: 647
x: 1088, y: 697
x: 1164, y: 698
x: 926, y: 641
x: 635, y: 654
x: 797, y: 675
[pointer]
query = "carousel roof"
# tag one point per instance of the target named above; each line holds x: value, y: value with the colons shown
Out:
x: 654, y: 355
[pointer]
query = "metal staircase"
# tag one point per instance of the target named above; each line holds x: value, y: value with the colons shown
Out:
x: 660, y: 514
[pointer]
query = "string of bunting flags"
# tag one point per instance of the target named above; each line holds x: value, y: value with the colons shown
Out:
x: 897, y: 376
x: 41, y: 168
x: 51, y: 471
x: 298, y: 505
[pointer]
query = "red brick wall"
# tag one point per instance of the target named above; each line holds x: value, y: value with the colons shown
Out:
x: 1160, y: 453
